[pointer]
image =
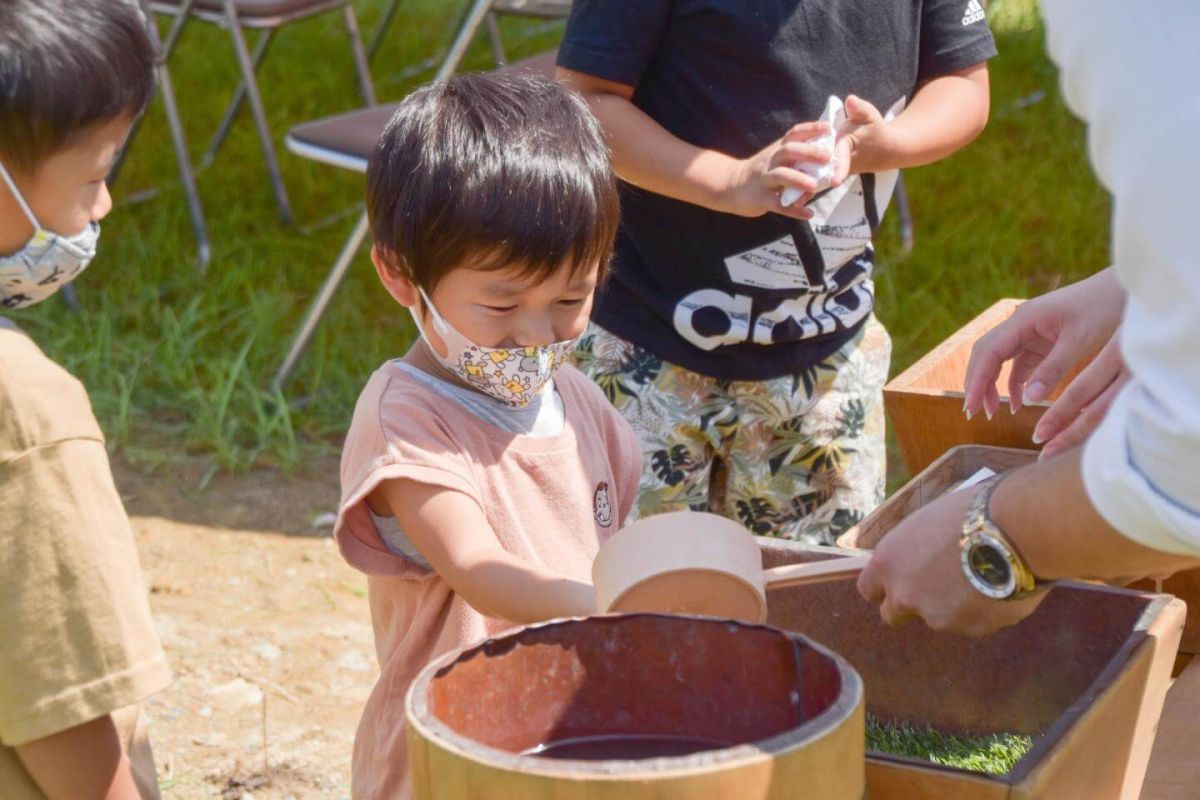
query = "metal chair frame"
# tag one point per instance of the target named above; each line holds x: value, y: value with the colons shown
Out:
x: 248, y: 63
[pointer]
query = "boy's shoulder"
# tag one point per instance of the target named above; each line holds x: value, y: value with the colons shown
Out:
x: 40, y: 402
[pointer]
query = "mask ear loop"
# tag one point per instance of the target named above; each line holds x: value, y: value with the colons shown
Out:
x: 440, y: 324
x: 16, y: 193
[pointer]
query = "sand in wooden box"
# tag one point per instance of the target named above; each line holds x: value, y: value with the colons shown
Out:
x: 1086, y: 674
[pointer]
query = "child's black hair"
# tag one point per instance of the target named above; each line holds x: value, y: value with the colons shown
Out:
x: 66, y: 65
x: 490, y: 172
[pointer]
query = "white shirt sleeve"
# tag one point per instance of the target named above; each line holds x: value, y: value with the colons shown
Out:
x: 1132, y: 72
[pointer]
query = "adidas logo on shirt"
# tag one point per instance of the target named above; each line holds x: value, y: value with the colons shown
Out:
x: 973, y: 14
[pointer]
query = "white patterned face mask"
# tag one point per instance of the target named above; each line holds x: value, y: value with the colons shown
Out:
x: 46, y: 263
x: 513, y: 375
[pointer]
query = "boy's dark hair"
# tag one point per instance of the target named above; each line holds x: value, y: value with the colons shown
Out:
x: 488, y: 172
x: 66, y: 65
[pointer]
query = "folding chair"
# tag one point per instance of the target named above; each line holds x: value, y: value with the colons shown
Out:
x: 346, y: 141
x: 266, y: 16
x: 478, y: 13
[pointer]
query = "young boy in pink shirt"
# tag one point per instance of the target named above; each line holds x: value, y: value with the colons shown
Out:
x: 481, y: 471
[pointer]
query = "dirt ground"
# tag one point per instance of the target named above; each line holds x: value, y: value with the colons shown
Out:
x: 266, y: 628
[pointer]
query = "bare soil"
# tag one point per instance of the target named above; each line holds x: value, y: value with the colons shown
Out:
x: 267, y: 630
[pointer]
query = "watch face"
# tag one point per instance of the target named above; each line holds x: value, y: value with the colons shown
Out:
x: 988, y: 568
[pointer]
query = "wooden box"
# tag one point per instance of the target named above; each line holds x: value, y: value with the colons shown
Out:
x: 925, y: 401
x: 1086, y: 674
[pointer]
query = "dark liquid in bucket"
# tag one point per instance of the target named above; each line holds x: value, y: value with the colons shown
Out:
x: 623, y: 746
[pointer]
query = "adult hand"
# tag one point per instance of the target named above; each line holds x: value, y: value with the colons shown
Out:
x: 753, y: 185
x: 1045, y: 338
x: 916, y: 573
x: 1083, y: 404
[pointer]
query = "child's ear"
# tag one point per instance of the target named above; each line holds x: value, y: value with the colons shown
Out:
x: 401, y: 288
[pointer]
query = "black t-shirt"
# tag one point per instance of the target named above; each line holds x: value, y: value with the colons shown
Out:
x: 754, y: 298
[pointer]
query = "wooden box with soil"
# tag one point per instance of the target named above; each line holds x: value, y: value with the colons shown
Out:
x: 1085, y: 676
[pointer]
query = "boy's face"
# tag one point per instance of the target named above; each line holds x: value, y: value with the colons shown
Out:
x: 501, y: 308
x: 66, y: 191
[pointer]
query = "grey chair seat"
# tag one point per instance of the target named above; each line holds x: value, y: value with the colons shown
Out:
x: 346, y: 140
x: 549, y: 9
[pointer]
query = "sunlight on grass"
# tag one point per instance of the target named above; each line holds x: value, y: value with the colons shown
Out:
x: 995, y: 754
x: 179, y: 364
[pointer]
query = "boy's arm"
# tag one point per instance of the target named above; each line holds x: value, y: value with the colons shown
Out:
x: 81, y: 763
x: 451, y: 531
x: 646, y: 154
x: 945, y: 114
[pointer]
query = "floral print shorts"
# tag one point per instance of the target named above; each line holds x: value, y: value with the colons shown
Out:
x: 798, y: 457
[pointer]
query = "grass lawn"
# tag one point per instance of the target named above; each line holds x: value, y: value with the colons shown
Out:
x: 178, y: 364
x: 995, y: 754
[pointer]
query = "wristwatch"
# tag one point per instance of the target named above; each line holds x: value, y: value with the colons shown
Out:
x: 989, y: 560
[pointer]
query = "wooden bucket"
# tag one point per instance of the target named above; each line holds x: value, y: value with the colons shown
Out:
x: 784, y: 715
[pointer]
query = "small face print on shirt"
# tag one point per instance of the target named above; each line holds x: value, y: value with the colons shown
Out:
x: 601, y: 506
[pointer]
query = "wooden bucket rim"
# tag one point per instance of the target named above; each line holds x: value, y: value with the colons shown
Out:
x: 417, y: 716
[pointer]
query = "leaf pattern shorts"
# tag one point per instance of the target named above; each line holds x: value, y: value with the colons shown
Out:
x: 798, y: 457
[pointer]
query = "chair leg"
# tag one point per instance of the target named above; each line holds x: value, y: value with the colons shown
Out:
x: 321, y: 303
x: 235, y: 105
x: 256, y: 107
x: 493, y: 26
x: 178, y: 140
x: 195, y: 209
x: 165, y: 47
x: 381, y: 30
x: 472, y: 19
x: 360, y: 56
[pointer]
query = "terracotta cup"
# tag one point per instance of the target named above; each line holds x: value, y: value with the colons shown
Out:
x: 690, y: 562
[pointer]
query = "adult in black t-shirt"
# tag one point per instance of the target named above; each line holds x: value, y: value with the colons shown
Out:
x: 705, y: 102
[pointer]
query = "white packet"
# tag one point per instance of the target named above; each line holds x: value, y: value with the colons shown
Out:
x: 835, y: 115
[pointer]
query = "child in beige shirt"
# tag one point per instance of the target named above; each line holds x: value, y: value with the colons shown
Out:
x: 481, y: 471
x: 78, y: 650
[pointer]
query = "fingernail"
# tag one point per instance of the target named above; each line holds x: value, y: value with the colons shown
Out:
x: 1013, y: 406
x: 969, y: 415
x: 988, y: 412
x: 1034, y: 393
x: 964, y: 405
x: 1038, y: 436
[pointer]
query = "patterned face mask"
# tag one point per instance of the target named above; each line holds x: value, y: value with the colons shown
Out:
x: 513, y: 375
x: 46, y: 263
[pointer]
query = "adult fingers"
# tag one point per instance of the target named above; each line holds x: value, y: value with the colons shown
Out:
x: 1067, y: 351
x: 991, y: 400
x: 896, y: 614
x: 870, y: 583
x: 1087, y: 420
x: 1023, y: 366
x: 1087, y: 386
x: 988, y: 355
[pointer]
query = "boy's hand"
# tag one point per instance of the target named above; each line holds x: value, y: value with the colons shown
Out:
x: 753, y: 185
x: 864, y: 130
